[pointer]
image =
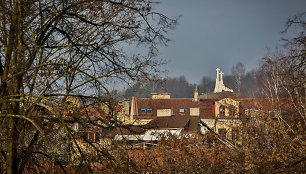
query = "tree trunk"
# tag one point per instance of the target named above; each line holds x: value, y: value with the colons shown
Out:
x: 13, y: 85
x: 12, y: 160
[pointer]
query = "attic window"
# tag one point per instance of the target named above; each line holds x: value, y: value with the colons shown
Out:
x: 222, y: 111
x: 149, y: 110
x: 182, y: 111
x: 143, y: 110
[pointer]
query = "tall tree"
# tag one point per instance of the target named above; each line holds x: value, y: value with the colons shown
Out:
x: 179, y: 87
x: 282, y: 78
x: 238, y: 72
x: 50, y: 50
x: 207, y: 85
x: 249, y: 85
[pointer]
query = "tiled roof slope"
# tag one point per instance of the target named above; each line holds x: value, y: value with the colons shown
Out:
x: 129, y: 130
x: 168, y: 122
x: 193, y: 124
x: 207, y: 108
x: 219, y: 95
x: 175, y: 104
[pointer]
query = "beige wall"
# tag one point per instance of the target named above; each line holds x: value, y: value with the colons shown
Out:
x: 226, y: 102
x: 123, y: 115
x: 164, y: 112
x: 227, y: 124
x: 141, y: 121
x: 161, y: 96
x: 194, y: 111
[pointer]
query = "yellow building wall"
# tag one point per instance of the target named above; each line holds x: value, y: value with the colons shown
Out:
x: 227, y: 102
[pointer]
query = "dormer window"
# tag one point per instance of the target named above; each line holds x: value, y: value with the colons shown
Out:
x: 143, y: 111
x: 227, y: 108
x: 222, y: 111
x: 182, y: 111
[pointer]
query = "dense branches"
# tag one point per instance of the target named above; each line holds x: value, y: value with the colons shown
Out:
x: 50, y: 50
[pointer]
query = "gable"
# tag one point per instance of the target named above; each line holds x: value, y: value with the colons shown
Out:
x: 228, y: 102
x: 227, y: 108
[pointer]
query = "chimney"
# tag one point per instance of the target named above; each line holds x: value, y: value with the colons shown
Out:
x: 196, y: 95
x: 160, y: 96
x: 133, y: 109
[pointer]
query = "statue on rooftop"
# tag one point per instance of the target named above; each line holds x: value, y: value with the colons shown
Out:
x: 219, y: 87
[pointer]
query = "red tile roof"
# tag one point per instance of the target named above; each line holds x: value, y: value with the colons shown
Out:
x: 168, y: 122
x: 207, y: 108
x: 175, y: 104
x: 129, y: 130
x: 193, y: 124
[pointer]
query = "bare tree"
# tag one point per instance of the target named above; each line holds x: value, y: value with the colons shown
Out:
x: 238, y: 72
x: 50, y: 50
x: 279, y: 135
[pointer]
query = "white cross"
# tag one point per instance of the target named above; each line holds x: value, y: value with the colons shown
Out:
x: 221, y: 73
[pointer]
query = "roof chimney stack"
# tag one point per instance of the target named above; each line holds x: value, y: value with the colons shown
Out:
x: 196, y: 95
x: 160, y: 96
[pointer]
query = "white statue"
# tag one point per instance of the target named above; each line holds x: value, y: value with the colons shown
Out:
x: 219, y: 87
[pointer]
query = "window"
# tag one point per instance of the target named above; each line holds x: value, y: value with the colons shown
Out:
x: 90, y: 136
x: 221, y: 111
x: 146, y: 111
x: 232, y: 111
x: 182, y: 111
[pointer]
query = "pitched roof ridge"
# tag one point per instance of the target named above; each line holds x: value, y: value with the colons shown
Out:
x: 166, y: 98
x: 253, y: 98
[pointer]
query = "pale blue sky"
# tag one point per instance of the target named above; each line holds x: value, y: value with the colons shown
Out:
x: 219, y: 33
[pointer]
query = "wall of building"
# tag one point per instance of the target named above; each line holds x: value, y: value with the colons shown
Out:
x: 164, y: 112
x: 227, y: 102
x: 194, y: 111
x: 140, y: 121
x: 123, y: 112
x: 160, y: 96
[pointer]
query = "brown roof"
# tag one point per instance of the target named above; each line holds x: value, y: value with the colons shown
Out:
x: 129, y: 130
x: 207, y: 108
x: 168, y: 122
x: 174, y: 103
x: 94, y: 112
x: 218, y: 95
x: 193, y: 124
